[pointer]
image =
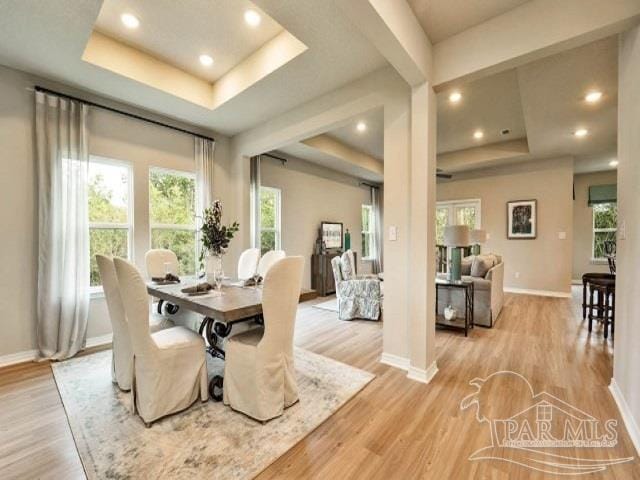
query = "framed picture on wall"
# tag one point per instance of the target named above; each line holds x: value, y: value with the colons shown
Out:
x: 332, y: 235
x: 521, y: 219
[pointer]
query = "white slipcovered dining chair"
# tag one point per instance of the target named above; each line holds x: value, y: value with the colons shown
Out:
x: 122, y: 354
x: 259, y: 374
x: 248, y: 263
x: 268, y: 259
x: 156, y: 258
x: 169, y: 366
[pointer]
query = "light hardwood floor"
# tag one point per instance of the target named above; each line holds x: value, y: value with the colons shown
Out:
x: 395, y: 428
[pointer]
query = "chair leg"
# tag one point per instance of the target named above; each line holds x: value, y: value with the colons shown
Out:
x: 590, y: 308
x: 584, y: 299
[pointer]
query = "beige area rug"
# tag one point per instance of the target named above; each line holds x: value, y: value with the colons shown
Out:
x: 331, y: 305
x: 207, y: 441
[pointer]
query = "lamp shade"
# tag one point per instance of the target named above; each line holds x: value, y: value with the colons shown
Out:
x: 478, y: 236
x: 456, y: 236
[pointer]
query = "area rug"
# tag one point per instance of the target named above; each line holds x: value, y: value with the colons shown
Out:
x: 331, y: 305
x: 207, y: 441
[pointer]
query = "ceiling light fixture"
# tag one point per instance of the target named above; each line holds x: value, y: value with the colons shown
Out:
x: 581, y: 132
x: 455, y: 97
x: 361, y: 126
x: 613, y: 163
x: 206, y: 60
x: 478, y: 134
x: 593, y: 97
x: 252, y: 18
x: 129, y: 20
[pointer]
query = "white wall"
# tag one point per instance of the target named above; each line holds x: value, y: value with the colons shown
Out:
x: 312, y: 194
x: 546, y: 262
x: 583, y: 223
x: 626, y: 358
x: 111, y: 135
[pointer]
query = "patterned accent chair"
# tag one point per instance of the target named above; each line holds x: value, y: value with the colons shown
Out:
x: 357, y: 297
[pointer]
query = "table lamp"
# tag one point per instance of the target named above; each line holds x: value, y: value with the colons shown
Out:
x: 456, y: 236
x: 477, y: 237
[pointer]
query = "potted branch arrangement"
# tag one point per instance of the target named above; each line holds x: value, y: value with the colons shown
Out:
x: 215, y: 241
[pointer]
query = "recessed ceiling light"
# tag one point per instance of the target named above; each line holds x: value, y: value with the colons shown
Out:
x: 361, y: 126
x: 206, y: 60
x: 129, y: 20
x: 252, y: 18
x: 478, y: 134
x: 593, y: 97
x: 581, y: 132
x: 455, y: 97
x: 613, y: 163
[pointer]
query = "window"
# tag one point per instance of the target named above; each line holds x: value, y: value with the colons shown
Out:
x: 605, y: 222
x: 172, y: 197
x: 459, y: 212
x: 270, y: 236
x: 368, y: 229
x: 110, y: 217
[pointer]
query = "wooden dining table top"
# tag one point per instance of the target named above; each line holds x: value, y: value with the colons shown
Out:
x: 236, y: 303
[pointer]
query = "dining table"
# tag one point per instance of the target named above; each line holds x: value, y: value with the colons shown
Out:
x: 220, y: 309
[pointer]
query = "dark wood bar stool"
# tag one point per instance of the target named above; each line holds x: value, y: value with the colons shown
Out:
x: 605, y: 304
x: 586, y: 280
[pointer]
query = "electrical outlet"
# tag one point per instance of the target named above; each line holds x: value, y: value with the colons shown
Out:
x: 393, y: 233
x: 488, y: 236
x: 517, y: 274
x: 562, y: 235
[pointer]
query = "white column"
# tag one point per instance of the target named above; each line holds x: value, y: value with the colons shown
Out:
x: 625, y: 384
x: 397, y: 175
x: 422, y: 241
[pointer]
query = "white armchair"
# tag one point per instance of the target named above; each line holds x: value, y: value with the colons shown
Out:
x: 357, y: 297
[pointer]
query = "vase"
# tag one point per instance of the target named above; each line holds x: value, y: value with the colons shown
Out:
x: 213, y: 270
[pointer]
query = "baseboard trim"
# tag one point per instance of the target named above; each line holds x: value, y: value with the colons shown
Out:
x: 541, y: 293
x: 99, y: 341
x: 18, y: 357
x: 625, y: 412
x: 421, y: 375
x: 32, y: 355
x: 395, y: 361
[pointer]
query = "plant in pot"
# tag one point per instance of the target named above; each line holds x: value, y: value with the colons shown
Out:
x: 215, y: 241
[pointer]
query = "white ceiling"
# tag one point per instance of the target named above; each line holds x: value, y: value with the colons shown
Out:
x: 442, y: 19
x: 371, y: 141
x: 310, y: 154
x: 553, y: 91
x: 542, y: 103
x: 179, y: 35
x: 48, y: 39
x: 490, y: 104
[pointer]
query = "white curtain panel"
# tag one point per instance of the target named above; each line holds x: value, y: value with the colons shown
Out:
x: 254, y: 178
x: 204, y: 156
x: 63, y: 249
x: 377, y: 225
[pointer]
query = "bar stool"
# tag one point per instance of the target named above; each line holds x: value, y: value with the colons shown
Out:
x: 586, y: 279
x: 605, y: 307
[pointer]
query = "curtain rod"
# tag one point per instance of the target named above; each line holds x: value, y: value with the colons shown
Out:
x: 369, y: 185
x: 283, y: 160
x: 38, y: 88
